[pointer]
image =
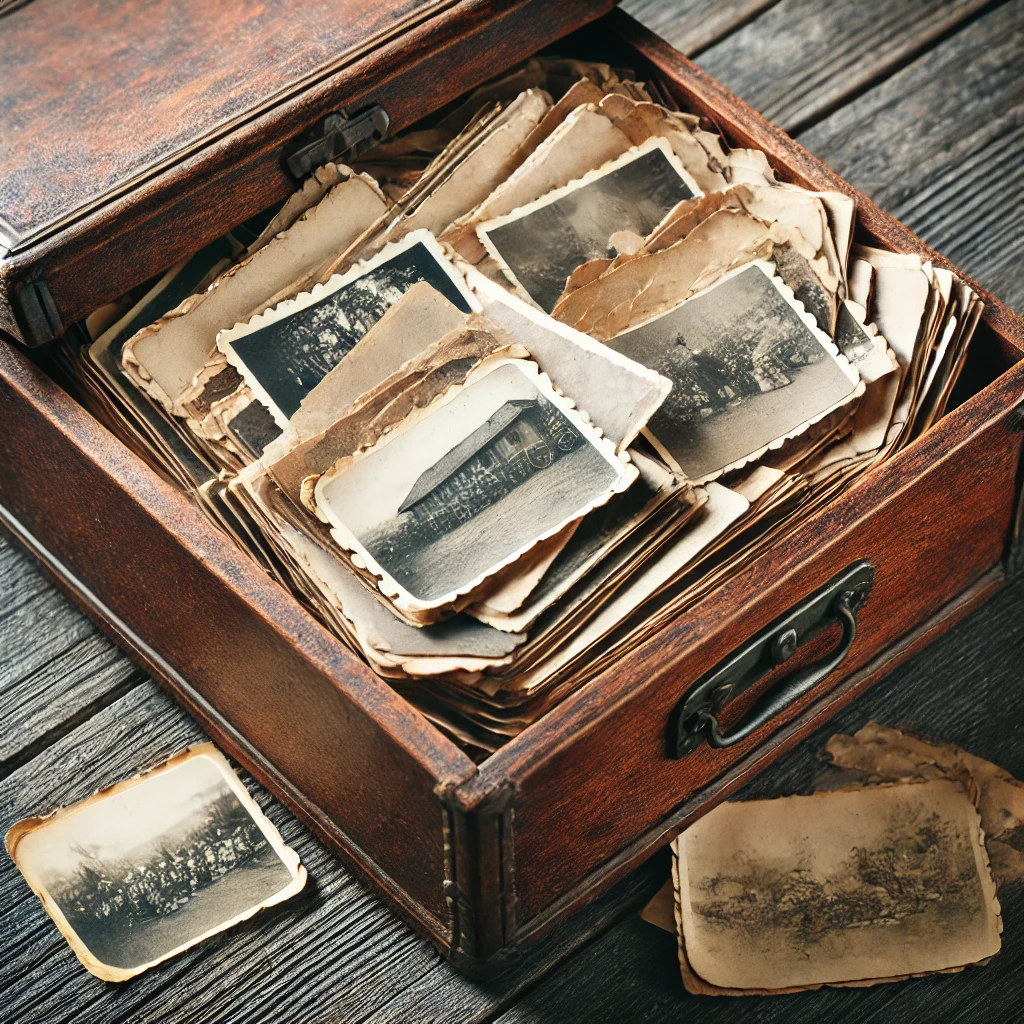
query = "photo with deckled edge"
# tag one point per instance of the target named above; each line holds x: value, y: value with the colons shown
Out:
x: 583, y: 368
x: 149, y: 867
x: 737, y: 388
x: 435, y: 509
x: 548, y: 241
x: 302, y: 208
x: 228, y: 341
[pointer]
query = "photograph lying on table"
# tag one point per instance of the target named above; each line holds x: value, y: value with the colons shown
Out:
x: 608, y: 211
x: 853, y: 886
x: 142, y: 871
x: 283, y: 353
x: 749, y: 369
x: 498, y: 466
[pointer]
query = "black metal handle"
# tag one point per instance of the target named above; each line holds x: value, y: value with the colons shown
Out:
x: 795, y: 686
x: 695, y: 719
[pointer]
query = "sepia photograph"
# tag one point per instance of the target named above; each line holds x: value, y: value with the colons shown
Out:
x: 853, y: 884
x: 470, y: 487
x: 142, y: 871
x: 748, y: 368
x: 286, y: 351
x: 608, y: 211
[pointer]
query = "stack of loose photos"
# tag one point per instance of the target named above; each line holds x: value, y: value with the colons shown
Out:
x: 527, y: 381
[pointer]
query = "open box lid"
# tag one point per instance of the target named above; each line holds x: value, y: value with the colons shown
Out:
x: 133, y: 132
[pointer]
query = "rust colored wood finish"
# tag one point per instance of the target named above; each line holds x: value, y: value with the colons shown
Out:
x: 485, y: 859
x: 132, y: 136
x: 362, y: 765
x: 932, y: 522
x: 97, y: 94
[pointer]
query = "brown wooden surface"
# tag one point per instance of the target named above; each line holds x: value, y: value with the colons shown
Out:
x: 345, y: 959
x: 302, y: 714
x: 200, y: 193
x: 901, y: 520
x: 309, y: 710
x: 964, y: 689
x: 96, y: 95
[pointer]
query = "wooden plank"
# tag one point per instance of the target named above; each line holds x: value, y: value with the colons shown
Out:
x: 941, y: 146
x: 333, y: 953
x: 56, y: 668
x: 802, y: 58
x: 965, y: 689
x: 691, y: 26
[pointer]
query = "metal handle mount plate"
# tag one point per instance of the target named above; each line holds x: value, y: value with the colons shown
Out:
x: 695, y: 719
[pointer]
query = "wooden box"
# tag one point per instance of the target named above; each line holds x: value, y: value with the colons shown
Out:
x: 483, y: 859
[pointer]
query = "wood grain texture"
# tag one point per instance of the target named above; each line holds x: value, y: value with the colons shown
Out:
x: 308, y: 710
x: 966, y: 689
x: 334, y: 953
x: 571, y: 776
x: 95, y: 94
x: 346, y: 958
x: 55, y: 667
x: 181, y: 205
x: 691, y: 26
x: 941, y: 146
x: 802, y: 58
x: 308, y: 718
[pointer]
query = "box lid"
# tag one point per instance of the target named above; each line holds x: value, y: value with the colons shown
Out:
x: 132, y: 132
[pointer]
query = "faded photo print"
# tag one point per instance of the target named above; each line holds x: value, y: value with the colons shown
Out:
x: 471, y: 485
x: 543, y: 243
x: 288, y: 356
x: 152, y: 866
x: 746, y: 370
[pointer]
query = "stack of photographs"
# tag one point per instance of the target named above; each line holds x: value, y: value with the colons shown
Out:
x: 526, y: 382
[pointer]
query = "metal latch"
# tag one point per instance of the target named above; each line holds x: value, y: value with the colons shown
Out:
x: 339, y: 137
x: 40, y: 318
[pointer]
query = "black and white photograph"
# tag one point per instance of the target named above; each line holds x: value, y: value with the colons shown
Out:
x: 748, y: 367
x: 142, y: 871
x: 438, y: 507
x: 286, y: 351
x: 607, y: 212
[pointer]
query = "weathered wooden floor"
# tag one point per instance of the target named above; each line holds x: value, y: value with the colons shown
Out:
x: 921, y: 104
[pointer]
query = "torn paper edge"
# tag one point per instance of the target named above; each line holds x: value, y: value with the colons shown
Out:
x: 634, y: 153
x: 768, y: 269
x: 319, y: 292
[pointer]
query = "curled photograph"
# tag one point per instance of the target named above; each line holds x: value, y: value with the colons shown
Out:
x: 283, y: 353
x: 748, y: 367
x: 142, y: 871
x: 607, y: 212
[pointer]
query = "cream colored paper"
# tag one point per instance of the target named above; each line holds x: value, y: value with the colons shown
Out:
x: 165, y: 359
x: 110, y: 825
x: 446, y: 430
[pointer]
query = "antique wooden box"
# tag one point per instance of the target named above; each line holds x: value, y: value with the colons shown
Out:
x: 483, y: 858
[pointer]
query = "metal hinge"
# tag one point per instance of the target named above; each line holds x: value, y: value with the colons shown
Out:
x: 339, y: 137
x: 40, y: 320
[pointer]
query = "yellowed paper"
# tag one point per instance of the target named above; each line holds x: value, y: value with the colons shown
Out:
x: 806, y: 890
x: 143, y: 870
